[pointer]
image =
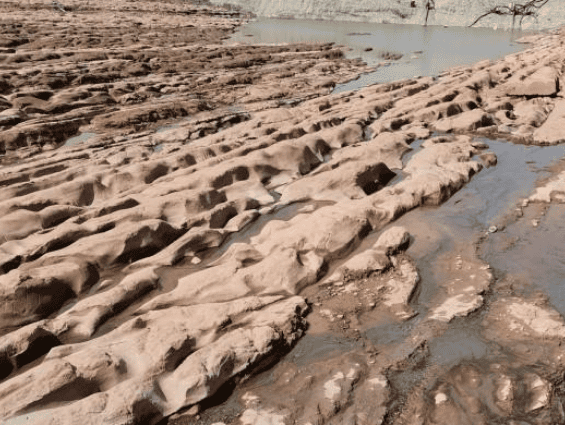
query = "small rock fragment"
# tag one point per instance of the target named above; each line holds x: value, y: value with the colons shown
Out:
x: 393, y: 240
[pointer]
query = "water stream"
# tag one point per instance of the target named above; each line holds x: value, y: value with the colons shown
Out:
x: 81, y: 138
x: 485, y: 201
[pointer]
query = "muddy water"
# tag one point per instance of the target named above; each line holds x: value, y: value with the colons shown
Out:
x: 531, y: 252
x: 426, y: 50
x: 81, y: 138
x: 485, y: 201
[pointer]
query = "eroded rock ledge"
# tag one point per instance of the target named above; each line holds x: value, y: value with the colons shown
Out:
x: 143, y: 270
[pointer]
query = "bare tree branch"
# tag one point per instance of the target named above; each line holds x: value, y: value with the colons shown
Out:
x: 530, y: 8
x: 430, y: 5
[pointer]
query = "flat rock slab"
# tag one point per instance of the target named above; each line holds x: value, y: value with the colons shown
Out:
x: 552, y: 191
x: 511, y: 320
x: 552, y: 131
x: 467, y: 121
x: 543, y: 82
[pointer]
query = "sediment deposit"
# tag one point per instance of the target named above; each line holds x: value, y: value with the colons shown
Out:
x: 212, y: 210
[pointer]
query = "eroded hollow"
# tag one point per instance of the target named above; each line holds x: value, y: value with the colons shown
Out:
x: 374, y: 178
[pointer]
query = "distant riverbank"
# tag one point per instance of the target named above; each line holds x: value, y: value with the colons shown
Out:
x: 447, y: 12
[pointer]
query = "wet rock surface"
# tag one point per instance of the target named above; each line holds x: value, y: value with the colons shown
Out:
x: 219, y: 211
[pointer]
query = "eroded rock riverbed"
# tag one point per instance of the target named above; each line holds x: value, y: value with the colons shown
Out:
x: 192, y: 233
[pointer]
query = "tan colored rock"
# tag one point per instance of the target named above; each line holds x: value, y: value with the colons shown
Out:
x: 385, y: 147
x: 505, y: 393
x: 157, y: 199
x: 86, y: 316
x: 56, y: 214
x: 214, y: 284
x: 8, y: 262
x: 515, y: 319
x: 25, y: 390
x: 343, y: 135
x: 79, y: 192
x: 285, y: 271
x: 361, y: 266
x: 532, y: 112
x: 553, y: 190
x: 262, y: 416
x: 330, y: 232
x: 392, y: 240
x: 466, y: 121
x: 19, y: 224
x: 458, y: 305
x: 551, y: 131
x: 195, y: 240
x: 342, y: 389
x: 543, y: 82
x: 370, y: 400
x: 539, y: 391
x: 399, y: 290
x: 417, y: 130
x: 354, y: 179
x: 202, y: 373
x: 240, y: 221
x: 129, y: 403
x: 489, y: 159
x: 439, y: 139
x: 188, y: 346
x: 469, y: 279
x: 21, y: 347
x: 33, y: 294
x: 40, y: 243
x: 127, y: 240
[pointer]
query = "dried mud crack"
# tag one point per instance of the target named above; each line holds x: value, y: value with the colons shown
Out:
x: 196, y: 232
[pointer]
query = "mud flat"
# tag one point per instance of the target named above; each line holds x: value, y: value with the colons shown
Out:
x: 192, y: 233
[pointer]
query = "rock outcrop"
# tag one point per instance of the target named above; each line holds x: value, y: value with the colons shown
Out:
x: 175, y: 213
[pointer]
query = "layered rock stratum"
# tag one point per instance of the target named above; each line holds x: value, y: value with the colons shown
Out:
x: 176, y: 213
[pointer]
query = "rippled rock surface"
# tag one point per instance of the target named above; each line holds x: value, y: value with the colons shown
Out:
x: 176, y: 214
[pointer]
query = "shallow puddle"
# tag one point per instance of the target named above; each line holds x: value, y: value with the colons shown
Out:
x: 533, y: 254
x: 314, y: 348
x: 81, y: 138
x: 462, y: 341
